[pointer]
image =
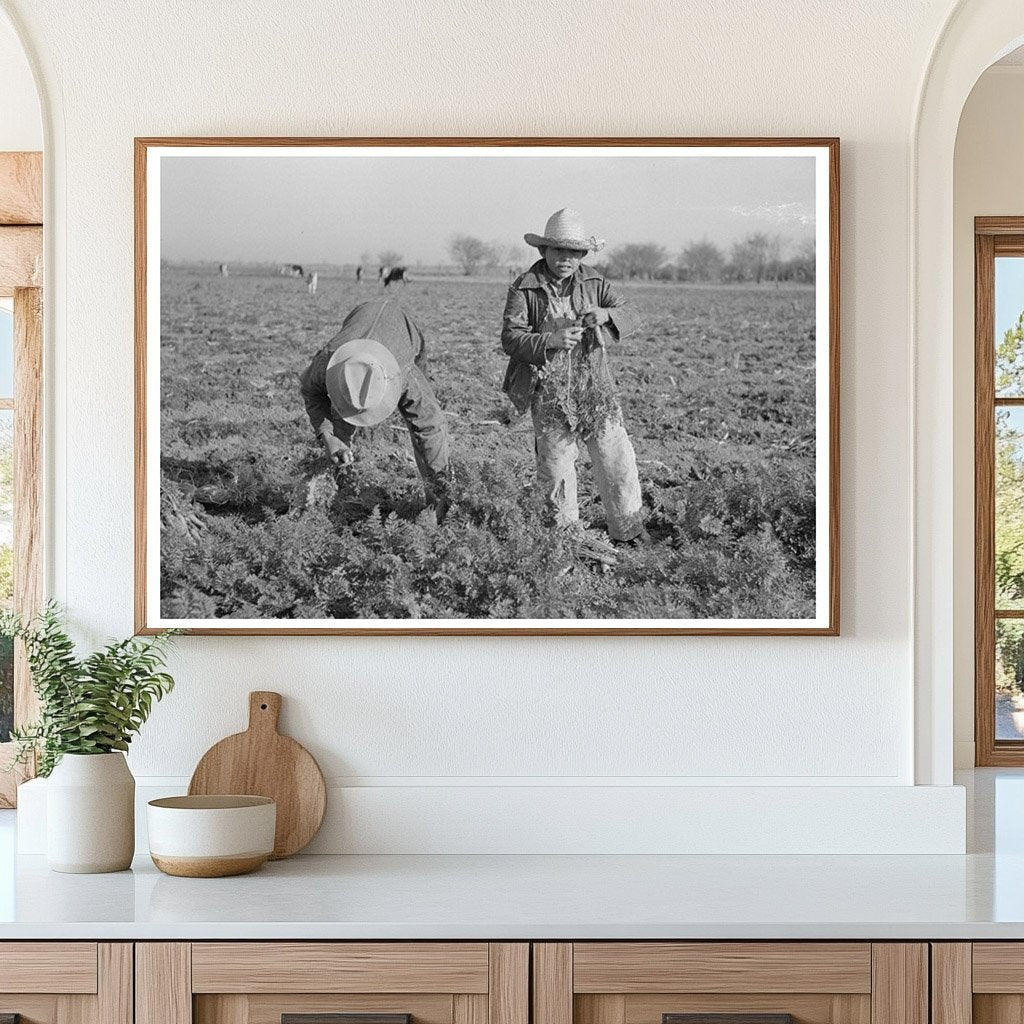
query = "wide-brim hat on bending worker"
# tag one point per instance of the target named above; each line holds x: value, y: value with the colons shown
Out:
x: 564, y: 230
x: 364, y: 382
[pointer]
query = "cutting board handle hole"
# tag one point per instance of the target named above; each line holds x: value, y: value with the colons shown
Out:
x: 263, y: 707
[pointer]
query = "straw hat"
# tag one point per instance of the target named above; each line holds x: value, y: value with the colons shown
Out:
x: 364, y: 382
x: 564, y: 230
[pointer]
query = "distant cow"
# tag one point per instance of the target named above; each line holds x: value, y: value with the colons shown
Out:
x: 292, y: 270
x: 383, y: 272
x: 394, y: 275
x: 223, y: 270
x: 311, y: 283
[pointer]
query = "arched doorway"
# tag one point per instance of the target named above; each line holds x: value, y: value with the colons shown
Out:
x: 976, y: 34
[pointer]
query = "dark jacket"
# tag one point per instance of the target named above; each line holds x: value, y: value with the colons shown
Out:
x: 525, y: 311
x: 383, y: 321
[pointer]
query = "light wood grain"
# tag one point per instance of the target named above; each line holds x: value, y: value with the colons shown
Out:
x: 227, y: 1009
x: 208, y: 867
x: 163, y: 983
x: 339, y: 967
x: 605, y: 1009
x: 805, y: 1008
x: 21, y: 188
x: 10, y: 781
x: 899, y: 991
x: 262, y: 762
x: 141, y: 538
x: 951, y: 982
x: 267, y: 1008
x: 998, y: 1009
x: 984, y: 502
x: 993, y: 1008
x: 722, y: 967
x: 34, y: 1008
x: 28, y: 483
x: 552, y: 983
x: 76, y: 1009
x: 115, y: 997
x: 851, y: 1009
x: 28, y: 548
x: 466, y: 1009
x: 66, y: 967
x: 143, y: 614
x: 834, y: 489
x: 21, y: 259
x: 509, y: 983
x: 998, y: 967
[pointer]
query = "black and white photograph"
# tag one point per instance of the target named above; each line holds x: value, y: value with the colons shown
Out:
x: 452, y: 386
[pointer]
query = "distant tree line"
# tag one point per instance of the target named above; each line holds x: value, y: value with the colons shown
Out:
x: 756, y: 258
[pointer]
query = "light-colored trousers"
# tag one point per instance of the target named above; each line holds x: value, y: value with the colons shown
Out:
x: 614, y: 462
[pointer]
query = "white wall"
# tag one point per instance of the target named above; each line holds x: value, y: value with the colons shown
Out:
x: 468, y: 711
x: 21, y: 127
x: 987, y: 182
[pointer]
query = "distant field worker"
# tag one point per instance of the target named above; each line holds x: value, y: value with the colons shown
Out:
x: 559, y: 316
x: 371, y: 367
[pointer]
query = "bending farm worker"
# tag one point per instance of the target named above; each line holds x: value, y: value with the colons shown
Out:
x: 371, y: 367
x: 559, y: 318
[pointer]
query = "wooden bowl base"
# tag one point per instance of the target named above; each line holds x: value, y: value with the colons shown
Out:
x: 209, y: 867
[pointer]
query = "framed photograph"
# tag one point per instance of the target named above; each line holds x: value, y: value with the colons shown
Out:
x: 492, y: 386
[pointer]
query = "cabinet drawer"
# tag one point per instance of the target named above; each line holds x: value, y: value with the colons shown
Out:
x: 332, y: 983
x: 730, y: 983
x: 980, y: 982
x: 66, y: 982
x: 633, y: 967
x: 65, y: 967
x: 340, y: 967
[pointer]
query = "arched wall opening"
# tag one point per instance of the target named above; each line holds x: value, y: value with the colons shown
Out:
x: 976, y: 35
x: 989, y: 150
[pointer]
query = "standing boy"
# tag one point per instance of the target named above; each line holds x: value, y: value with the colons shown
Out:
x: 558, y: 319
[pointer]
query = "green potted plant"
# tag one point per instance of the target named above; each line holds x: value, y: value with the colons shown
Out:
x: 89, y: 710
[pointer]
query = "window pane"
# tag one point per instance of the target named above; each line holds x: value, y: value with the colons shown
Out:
x: 1009, y: 679
x: 6, y: 567
x: 6, y: 353
x: 1009, y: 323
x: 1009, y: 575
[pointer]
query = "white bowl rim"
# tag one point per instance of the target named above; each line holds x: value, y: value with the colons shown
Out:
x: 212, y: 802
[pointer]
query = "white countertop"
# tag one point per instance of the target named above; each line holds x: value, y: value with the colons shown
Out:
x: 517, y: 897
x: 977, y: 896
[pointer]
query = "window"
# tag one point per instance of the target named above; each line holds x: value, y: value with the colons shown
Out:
x: 21, y: 363
x: 999, y: 490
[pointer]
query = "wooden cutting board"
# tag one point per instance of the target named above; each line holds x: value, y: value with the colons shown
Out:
x: 262, y: 762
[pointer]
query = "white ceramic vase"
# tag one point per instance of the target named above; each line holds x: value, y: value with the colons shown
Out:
x: 90, y: 814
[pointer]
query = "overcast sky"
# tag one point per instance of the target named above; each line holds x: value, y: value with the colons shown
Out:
x: 315, y: 209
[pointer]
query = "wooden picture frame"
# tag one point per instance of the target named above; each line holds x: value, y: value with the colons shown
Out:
x: 168, y: 198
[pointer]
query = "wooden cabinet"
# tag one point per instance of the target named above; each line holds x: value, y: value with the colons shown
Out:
x: 978, y: 983
x: 66, y: 982
x: 494, y: 983
x: 753, y: 982
x: 307, y: 982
